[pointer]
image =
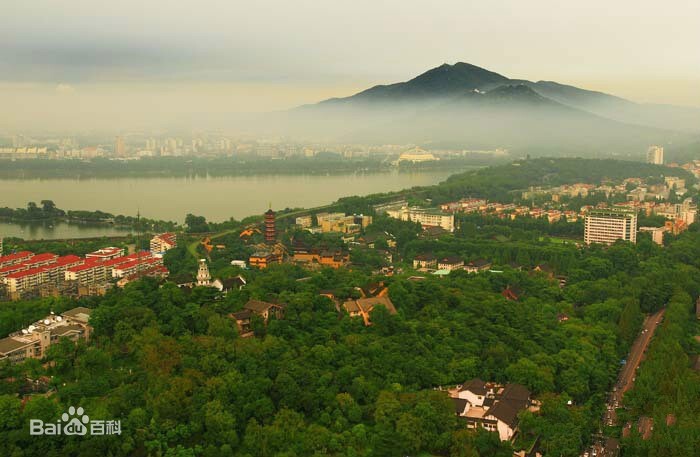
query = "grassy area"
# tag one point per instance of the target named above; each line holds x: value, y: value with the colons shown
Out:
x: 557, y: 240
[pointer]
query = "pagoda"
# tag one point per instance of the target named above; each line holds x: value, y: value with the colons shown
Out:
x: 270, y: 230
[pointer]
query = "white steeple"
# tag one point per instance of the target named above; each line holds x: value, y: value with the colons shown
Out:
x: 203, y: 276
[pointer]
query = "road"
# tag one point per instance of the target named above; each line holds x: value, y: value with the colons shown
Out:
x: 602, y: 446
x: 627, y: 374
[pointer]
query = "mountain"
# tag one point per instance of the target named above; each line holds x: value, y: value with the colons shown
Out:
x: 662, y: 116
x: 463, y: 105
x: 514, y: 117
x: 443, y: 81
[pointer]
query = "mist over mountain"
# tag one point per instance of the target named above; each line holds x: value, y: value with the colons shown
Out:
x: 463, y: 105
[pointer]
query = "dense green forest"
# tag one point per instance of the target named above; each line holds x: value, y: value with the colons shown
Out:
x: 171, y: 367
x: 169, y: 363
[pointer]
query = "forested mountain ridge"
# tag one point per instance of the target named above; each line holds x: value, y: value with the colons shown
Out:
x: 460, y: 106
x: 446, y: 81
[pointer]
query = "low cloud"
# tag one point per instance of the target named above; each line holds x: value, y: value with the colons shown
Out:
x: 64, y: 89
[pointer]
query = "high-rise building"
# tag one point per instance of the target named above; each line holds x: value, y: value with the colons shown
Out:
x: 119, y: 147
x: 270, y: 229
x: 655, y: 155
x: 606, y: 226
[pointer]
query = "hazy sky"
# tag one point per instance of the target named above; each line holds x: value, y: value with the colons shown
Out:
x: 87, y: 62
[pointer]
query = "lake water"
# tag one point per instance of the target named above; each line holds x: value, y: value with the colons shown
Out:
x: 58, y: 230
x: 216, y: 198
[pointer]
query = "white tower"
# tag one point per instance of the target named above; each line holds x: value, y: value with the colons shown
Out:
x: 203, y: 276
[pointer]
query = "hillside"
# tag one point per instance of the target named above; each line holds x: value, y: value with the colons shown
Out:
x: 463, y: 105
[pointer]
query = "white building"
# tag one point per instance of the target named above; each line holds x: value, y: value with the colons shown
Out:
x: 105, y: 254
x: 657, y: 233
x: 417, y: 155
x: 606, y: 226
x: 426, y: 217
x: 493, y: 407
x: 655, y: 155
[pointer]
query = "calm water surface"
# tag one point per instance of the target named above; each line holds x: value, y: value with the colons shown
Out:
x: 216, y: 198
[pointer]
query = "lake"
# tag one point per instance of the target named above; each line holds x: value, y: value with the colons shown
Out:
x: 58, y: 230
x: 216, y: 198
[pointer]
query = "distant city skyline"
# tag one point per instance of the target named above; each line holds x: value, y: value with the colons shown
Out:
x: 136, y: 62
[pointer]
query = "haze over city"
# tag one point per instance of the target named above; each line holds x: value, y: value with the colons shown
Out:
x: 157, y: 64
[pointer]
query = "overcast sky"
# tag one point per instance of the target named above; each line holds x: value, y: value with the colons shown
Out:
x: 81, y: 59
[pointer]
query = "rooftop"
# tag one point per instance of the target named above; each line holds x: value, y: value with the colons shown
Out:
x: 104, y: 252
x: 259, y: 306
x: 16, y: 256
x: 475, y: 385
x: 10, y: 344
x: 80, y: 313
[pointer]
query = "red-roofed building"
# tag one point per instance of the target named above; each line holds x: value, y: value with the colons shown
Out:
x: 118, y: 261
x: 158, y: 271
x: 17, y: 257
x: 57, y: 270
x: 41, y: 259
x: 163, y: 242
x: 35, y: 261
x: 135, y: 267
x: 4, y: 271
x: 25, y: 271
x: 22, y: 281
x: 90, y: 272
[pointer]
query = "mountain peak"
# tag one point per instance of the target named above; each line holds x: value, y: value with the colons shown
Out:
x: 440, y: 82
x: 460, y: 76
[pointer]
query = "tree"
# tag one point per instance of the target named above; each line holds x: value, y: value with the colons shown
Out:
x: 537, y: 378
x: 196, y: 224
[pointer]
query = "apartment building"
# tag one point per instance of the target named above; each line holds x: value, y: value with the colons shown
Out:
x: 33, y: 342
x: 342, y: 223
x: 163, y: 242
x: 134, y: 265
x: 655, y: 155
x: 15, y: 258
x: 39, y: 270
x: 425, y: 217
x: 605, y: 226
x: 304, y: 221
x: 90, y: 272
